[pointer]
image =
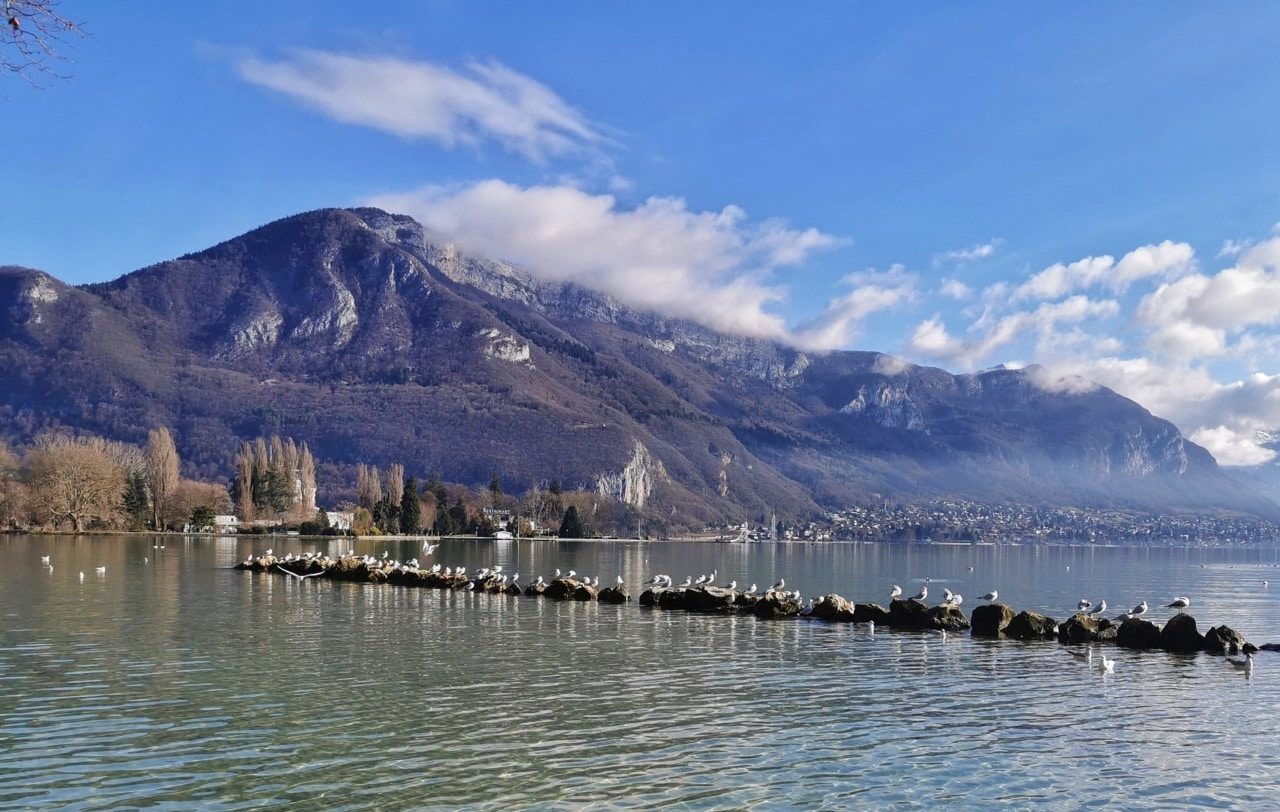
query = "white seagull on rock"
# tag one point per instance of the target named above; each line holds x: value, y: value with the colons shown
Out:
x: 990, y: 597
x: 1181, y: 602
x: 895, y: 593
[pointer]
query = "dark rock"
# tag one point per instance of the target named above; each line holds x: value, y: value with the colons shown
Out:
x: 1269, y: 647
x: 1108, y: 634
x: 1135, y: 632
x: 870, y: 613
x: 614, y: 594
x: 745, y: 600
x: 1082, y: 628
x: 535, y: 590
x: 1180, y: 634
x: 990, y: 620
x: 948, y: 618
x: 1249, y: 648
x: 909, y: 614
x: 775, y: 605
x: 709, y: 599
x: 511, y: 589
x: 563, y: 589
x: 673, y: 598
x: 584, y: 592
x: 1223, y: 640
x: 1031, y: 626
x: 833, y: 607
x: 649, y: 597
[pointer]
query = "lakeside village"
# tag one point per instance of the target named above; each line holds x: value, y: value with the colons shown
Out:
x: 82, y: 483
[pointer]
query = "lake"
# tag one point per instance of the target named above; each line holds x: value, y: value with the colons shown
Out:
x: 174, y: 682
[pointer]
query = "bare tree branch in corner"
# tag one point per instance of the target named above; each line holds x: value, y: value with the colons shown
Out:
x: 34, y: 38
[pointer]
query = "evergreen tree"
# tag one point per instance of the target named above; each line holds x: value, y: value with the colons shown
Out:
x: 202, y: 518
x: 410, y: 508
x: 555, y: 487
x: 137, y: 507
x: 457, y: 517
x: 495, y: 490
x: 571, y: 527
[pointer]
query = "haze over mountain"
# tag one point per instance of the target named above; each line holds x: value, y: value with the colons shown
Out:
x: 374, y: 341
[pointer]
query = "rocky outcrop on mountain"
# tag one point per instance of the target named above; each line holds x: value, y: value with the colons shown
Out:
x: 375, y: 341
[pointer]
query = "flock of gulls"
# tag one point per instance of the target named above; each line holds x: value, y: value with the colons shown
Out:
x: 496, y: 576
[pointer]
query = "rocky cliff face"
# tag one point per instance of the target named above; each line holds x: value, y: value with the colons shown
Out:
x: 365, y: 335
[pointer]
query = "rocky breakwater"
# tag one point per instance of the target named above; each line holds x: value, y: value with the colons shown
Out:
x: 712, y: 600
x: 915, y: 614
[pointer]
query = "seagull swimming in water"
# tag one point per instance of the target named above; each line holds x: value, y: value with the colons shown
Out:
x: 990, y: 597
x: 896, y: 592
x: 1245, y: 666
x: 1180, y: 603
x: 44, y: 559
x: 1106, y: 665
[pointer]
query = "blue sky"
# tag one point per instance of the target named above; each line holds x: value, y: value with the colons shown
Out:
x: 928, y: 180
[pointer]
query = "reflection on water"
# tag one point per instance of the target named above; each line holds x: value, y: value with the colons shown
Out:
x: 177, y: 682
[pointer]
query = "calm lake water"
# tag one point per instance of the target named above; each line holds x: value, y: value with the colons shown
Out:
x: 177, y: 683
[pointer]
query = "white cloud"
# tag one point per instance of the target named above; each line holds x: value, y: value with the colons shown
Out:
x: 486, y: 101
x: 932, y: 339
x: 710, y: 267
x: 1230, y: 447
x: 955, y: 289
x: 962, y: 255
x: 842, y: 318
x: 890, y: 365
x: 1163, y: 260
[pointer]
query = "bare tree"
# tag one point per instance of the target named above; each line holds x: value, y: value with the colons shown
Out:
x: 190, y: 495
x: 13, y: 492
x: 34, y: 34
x: 77, y: 480
x: 162, y: 473
x: 368, y: 486
x: 395, y: 482
x: 244, y: 483
x: 307, y: 475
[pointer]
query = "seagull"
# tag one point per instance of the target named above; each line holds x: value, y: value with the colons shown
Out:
x: 618, y: 580
x: 1139, y: 610
x: 751, y: 591
x: 557, y: 575
x: 688, y: 582
x: 268, y: 552
x: 946, y: 595
x: 572, y: 574
x: 82, y: 577
x: 1084, y: 605
x: 1086, y: 654
x: 1106, y: 664
x: 1179, y: 603
x: 595, y: 582
x: 924, y: 593
x: 101, y: 570
x: 702, y: 579
x: 782, y: 582
x: 732, y: 586
x: 44, y: 559
x: 871, y: 626
x: 1245, y: 665
x: 896, y: 592
x: 1100, y: 608
x: 515, y: 577
x: 971, y: 569
x: 807, y: 610
x: 990, y: 597
x: 712, y: 577
x: 957, y: 599
x: 943, y: 633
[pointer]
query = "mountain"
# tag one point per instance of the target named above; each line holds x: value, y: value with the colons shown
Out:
x: 374, y: 341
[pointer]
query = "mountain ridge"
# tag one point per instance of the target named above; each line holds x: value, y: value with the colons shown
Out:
x: 372, y: 339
